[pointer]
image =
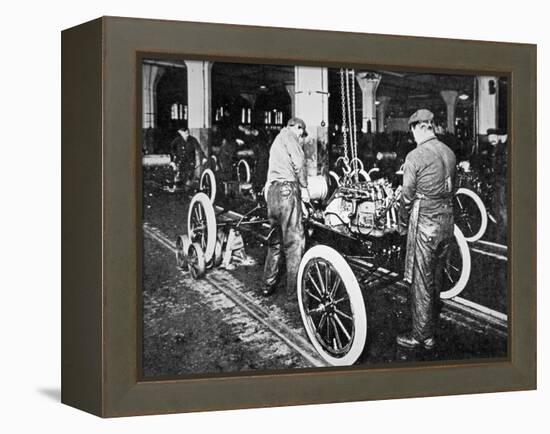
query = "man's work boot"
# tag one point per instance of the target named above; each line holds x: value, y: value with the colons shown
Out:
x: 408, y: 341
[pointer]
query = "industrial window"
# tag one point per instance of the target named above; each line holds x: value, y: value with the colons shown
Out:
x: 178, y: 112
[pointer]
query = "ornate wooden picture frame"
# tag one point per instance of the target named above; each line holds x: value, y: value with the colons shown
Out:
x: 102, y: 227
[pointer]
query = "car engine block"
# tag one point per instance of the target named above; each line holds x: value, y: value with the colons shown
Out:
x: 365, y: 207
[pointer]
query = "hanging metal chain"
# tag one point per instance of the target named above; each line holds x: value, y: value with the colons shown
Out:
x: 354, y: 121
x: 348, y: 106
x: 344, y: 121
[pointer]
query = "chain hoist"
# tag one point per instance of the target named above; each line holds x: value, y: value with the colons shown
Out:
x: 354, y: 125
x: 344, y: 120
x: 348, y: 107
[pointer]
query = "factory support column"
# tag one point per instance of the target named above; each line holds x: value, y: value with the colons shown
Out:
x: 449, y: 96
x: 199, y: 102
x: 150, y: 77
x: 311, y: 105
x: 369, y: 81
x: 487, y: 100
x: 381, y: 112
x: 290, y: 88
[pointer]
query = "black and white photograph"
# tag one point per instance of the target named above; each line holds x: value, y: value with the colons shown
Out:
x: 275, y: 217
x: 307, y: 216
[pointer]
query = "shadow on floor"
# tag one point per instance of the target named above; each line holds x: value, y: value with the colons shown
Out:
x: 51, y: 393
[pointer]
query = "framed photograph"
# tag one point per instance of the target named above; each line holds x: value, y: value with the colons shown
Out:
x: 257, y: 216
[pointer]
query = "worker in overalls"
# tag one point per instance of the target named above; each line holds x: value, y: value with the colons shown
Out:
x: 187, y: 155
x: 498, y: 156
x: 286, y: 188
x: 426, y: 217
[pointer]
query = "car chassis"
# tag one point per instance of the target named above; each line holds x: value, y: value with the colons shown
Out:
x: 359, y: 217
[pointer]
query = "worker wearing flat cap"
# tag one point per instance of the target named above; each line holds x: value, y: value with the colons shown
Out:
x: 426, y: 217
x: 286, y: 188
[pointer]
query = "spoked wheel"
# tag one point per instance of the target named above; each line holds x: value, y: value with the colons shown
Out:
x: 470, y: 214
x: 195, y: 259
x: 201, y: 224
x: 243, y: 171
x: 217, y: 257
x: 458, y: 265
x: 331, y: 306
x: 171, y: 172
x: 207, y: 184
x: 182, y: 246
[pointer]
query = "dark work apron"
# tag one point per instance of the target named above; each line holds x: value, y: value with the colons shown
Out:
x: 415, y: 212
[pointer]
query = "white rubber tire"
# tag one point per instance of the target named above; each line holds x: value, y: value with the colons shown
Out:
x: 356, y: 302
x: 182, y: 246
x: 208, y: 173
x: 211, y: 231
x: 466, y: 266
x: 215, y: 160
x: 482, y: 210
x: 197, y: 267
x: 246, y: 166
